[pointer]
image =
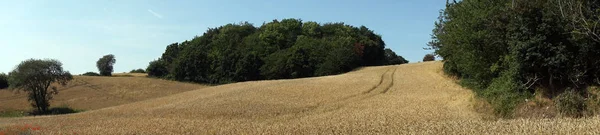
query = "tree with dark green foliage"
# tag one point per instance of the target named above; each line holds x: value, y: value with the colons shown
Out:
x: 157, y: 69
x: 392, y: 58
x: 90, y: 74
x: 280, y: 49
x: 171, y: 54
x: 505, y: 49
x: 340, y: 59
x: 428, y: 57
x: 105, y: 64
x: 3, y: 81
x: 137, y: 71
x: 35, y: 77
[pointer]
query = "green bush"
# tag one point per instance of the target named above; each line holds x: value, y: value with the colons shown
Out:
x: 570, y: 103
x: 3, y: 81
x: 90, y: 74
x: 138, y: 71
x: 504, y: 93
x: 428, y: 57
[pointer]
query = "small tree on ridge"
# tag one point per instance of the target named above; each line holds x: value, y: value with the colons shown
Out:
x: 105, y: 65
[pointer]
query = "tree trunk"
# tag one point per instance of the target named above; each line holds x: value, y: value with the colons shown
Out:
x: 550, y: 84
x: 37, y: 101
x: 43, y: 101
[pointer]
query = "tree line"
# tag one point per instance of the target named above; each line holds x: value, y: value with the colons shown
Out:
x: 283, y: 49
x: 230, y: 53
x: 507, y: 49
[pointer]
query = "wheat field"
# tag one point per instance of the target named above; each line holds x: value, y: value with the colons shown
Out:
x: 405, y: 99
x: 91, y: 92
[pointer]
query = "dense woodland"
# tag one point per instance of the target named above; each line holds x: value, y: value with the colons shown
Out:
x: 506, y: 50
x: 282, y: 49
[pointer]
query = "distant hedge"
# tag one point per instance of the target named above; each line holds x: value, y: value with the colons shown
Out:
x: 138, y: 71
x: 282, y: 49
x: 90, y: 74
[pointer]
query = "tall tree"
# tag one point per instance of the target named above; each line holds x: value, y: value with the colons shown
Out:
x: 35, y: 77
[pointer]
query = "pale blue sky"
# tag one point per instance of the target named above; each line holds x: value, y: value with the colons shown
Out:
x: 79, y: 32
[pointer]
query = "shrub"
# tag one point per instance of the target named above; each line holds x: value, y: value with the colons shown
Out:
x: 138, y: 71
x: 503, y: 93
x: 90, y: 74
x: 593, y: 100
x: 570, y: 103
x: 3, y: 81
x: 429, y: 57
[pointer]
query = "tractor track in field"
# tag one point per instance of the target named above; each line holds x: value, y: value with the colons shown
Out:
x: 386, y: 82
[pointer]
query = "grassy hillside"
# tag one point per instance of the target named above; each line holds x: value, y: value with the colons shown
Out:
x: 406, y: 99
x: 89, y: 93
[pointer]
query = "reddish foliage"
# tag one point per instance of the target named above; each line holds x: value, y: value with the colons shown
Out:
x: 359, y: 49
x: 17, y: 129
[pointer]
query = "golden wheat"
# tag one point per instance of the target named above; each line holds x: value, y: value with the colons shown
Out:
x: 405, y: 99
x: 89, y: 93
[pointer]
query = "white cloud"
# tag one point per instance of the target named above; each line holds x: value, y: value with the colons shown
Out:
x: 155, y: 14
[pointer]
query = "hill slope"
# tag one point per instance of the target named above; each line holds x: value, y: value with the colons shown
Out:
x: 88, y: 93
x: 407, y: 99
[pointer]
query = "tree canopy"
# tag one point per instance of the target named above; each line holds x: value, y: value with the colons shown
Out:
x: 392, y: 58
x: 281, y: 49
x: 505, y: 49
x: 105, y: 64
x: 35, y: 77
